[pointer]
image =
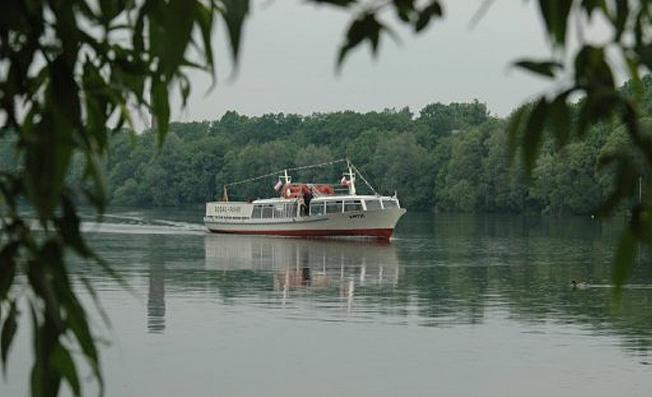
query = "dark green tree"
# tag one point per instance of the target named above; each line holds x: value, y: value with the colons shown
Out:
x: 438, y: 120
x: 400, y: 162
x: 505, y: 185
x: 310, y: 155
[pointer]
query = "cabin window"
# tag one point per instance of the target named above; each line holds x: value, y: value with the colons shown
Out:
x: 316, y: 208
x: 268, y: 211
x: 290, y: 210
x: 333, y: 207
x: 390, y: 204
x: 355, y: 205
x: 372, y: 205
x: 258, y: 211
x: 279, y: 210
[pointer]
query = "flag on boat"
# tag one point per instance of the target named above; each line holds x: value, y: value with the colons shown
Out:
x: 344, y: 182
x: 278, y: 186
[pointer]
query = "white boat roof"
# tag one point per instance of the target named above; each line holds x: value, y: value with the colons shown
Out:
x: 324, y: 198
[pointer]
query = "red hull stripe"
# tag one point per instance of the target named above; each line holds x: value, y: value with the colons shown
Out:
x: 378, y: 233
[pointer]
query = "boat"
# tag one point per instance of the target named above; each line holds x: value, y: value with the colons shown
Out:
x: 308, y: 209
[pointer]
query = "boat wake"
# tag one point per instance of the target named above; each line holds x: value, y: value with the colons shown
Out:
x: 128, y: 224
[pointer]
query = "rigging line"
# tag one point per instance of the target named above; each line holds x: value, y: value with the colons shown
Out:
x: 363, y: 179
x: 316, y: 165
x: 286, y: 169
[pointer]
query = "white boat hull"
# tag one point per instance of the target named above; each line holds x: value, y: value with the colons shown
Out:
x: 379, y: 224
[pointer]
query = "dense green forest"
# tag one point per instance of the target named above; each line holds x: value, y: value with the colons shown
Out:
x: 446, y: 158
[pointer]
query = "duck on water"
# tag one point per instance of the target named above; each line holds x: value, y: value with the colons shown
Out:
x: 581, y: 285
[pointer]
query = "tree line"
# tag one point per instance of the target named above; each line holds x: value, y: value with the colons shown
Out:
x: 446, y: 158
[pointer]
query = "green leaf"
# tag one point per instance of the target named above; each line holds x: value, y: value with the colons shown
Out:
x: 47, y: 157
x: 560, y: 119
x: 184, y: 88
x: 63, y: 363
x: 598, y: 105
x: 514, y: 128
x: 591, y: 5
x: 128, y: 75
x: 95, y: 169
x: 8, y: 332
x: 161, y: 106
x: 592, y: 72
x: 620, y: 20
x: 68, y: 225
x: 645, y: 55
x: 179, y: 20
x: 110, y: 9
x: 624, y: 260
x: 205, y: 22
x: 64, y: 94
x: 533, y: 135
x: 7, y: 267
x: 404, y: 9
x: 365, y: 27
x: 234, y: 14
x: 433, y: 10
x: 79, y: 326
x: 44, y: 274
x: 546, y: 14
x: 96, y: 100
x: 555, y: 15
x: 563, y: 11
x: 633, y: 66
x: 543, y: 68
x: 49, y: 141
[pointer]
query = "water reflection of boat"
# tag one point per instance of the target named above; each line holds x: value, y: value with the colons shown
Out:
x: 300, y: 263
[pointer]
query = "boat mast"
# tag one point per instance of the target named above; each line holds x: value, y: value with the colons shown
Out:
x: 286, y: 180
x: 351, y: 177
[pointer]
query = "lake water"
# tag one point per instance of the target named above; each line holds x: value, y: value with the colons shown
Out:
x: 453, y: 306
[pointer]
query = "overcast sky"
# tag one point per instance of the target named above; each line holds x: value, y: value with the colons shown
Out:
x: 289, y: 51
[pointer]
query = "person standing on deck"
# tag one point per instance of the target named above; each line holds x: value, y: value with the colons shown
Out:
x: 307, y: 197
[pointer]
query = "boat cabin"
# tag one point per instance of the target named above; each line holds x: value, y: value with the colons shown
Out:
x: 275, y: 209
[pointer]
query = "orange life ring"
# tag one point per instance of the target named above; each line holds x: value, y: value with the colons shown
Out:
x: 297, y: 191
x: 294, y: 191
x: 326, y: 190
